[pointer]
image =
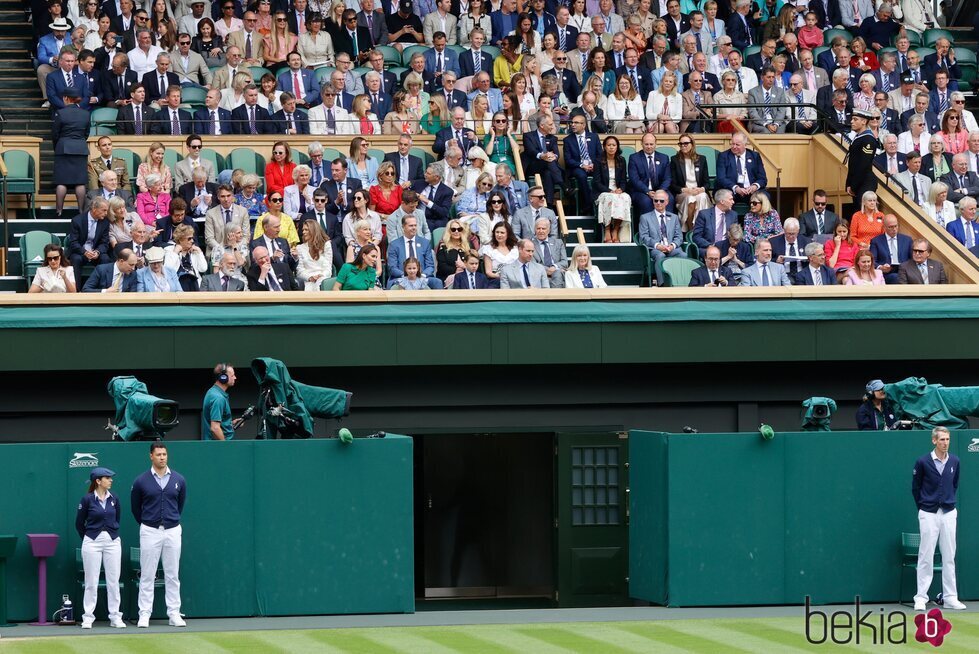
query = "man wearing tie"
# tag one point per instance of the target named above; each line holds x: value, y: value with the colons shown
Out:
x: 408, y: 168
x: 340, y: 189
x: 540, y: 156
x: 965, y: 230
x: 212, y: 119
x: 464, y: 137
x: 435, y: 197
x: 740, y: 169
x: 287, y: 120
x: 354, y: 40
x: 580, y: 155
x: 890, y: 249
x: 329, y: 222
x: 920, y: 269
x: 250, y: 118
x: 474, y: 60
x: 566, y: 35
x: 819, y: 219
x: 711, y: 224
x: 961, y: 182
x: 764, y: 271
x: 649, y: 171
x: 659, y: 231
x: 641, y: 77
x: 267, y: 275
x: 788, y: 247
x: 453, y: 96
x: 815, y: 272
x: 411, y: 246
x: 171, y: 120
x: 380, y: 102
x: 224, y: 279
x: 917, y: 185
x: 890, y: 160
x: 524, y: 272
x: 299, y: 81
x: 318, y: 168
x: 471, y: 279
x: 712, y: 274
x: 550, y: 252
x: 219, y: 219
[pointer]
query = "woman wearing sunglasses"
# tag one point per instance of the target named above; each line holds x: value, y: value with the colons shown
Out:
x: 55, y: 276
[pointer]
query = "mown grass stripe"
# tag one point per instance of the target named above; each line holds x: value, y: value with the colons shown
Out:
x: 760, y: 635
x: 464, y: 639
x: 576, y: 641
x: 613, y: 634
x: 675, y: 634
x: 406, y: 640
x: 506, y: 636
x: 352, y: 641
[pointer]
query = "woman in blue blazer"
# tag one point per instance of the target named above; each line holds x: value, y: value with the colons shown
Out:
x: 97, y: 524
x: 598, y: 64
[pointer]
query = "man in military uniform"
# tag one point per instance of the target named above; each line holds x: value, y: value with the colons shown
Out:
x: 105, y: 161
x: 860, y: 177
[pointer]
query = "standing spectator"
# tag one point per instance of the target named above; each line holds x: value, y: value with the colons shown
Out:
x: 69, y: 131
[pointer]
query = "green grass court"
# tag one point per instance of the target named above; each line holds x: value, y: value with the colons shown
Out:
x: 719, y: 635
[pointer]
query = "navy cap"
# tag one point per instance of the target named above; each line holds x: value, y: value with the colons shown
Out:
x: 71, y: 92
x: 875, y: 385
x: 100, y: 472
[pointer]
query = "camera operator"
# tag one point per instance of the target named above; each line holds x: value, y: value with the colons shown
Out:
x: 216, y: 422
x: 876, y: 413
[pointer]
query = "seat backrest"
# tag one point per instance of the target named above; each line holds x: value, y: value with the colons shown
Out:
x: 245, y: 159
x: 677, y: 271
x: 103, y: 121
x: 327, y: 284
x: 437, y: 235
x: 324, y: 73
x: 20, y: 164
x: 909, y: 544
x: 171, y: 157
x: 930, y: 37
x: 32, y: 245
x: 408, y: 52
x: 212, y: 155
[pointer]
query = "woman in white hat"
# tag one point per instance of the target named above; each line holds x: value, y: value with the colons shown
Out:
x: 479, y: 163
x: 156, y: 277
x: 97, y: 524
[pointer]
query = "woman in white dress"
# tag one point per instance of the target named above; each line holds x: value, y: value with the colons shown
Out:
x: 938, y: 207
x: 664, y: 107
x: 614, y: 204
x: 496, y: 212
x: 315, y: 256
x: 525, y: 100
x: 56, y: 275
x: 579, y: 16
x: 502, y: 250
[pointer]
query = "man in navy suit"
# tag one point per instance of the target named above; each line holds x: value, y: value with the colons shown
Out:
x: 815, y: 272
x: 388, y: 82
x: 467, y: 60
x: 211, y: 118
x: 890, y: 157
x: 434, y: 196
x: 567, y: 81
x: 152, y: 80
x: 471, y: 279
x: 250, y: 118
x: 58, y: 80
x: 439, y: 58
x: 565, y: 35
x: 740, y: 26
x: 303, y: 78
x: 116, y: 83
x: 943, y: 59
x: 453, y: 97
x: 88, y: 238
x: 940, y: 97
x: 278, y: 247
x: 340, y: 188
x: 464, y: 137
x: 504, y: 20
x: 287, y: 120
x: 351, y: 38
x: 789, y: 244
x: 711, y: 225
x: 126, y: 123
x: 641, y: 77
x: 579, y: 163
x: 646, y: 179
x: 408, y: 245
x: 171, y: 118
x: 890, y: 249
x: 741, y: 169
x: 921, y: 102
x: 407, y: 167
x: 115, y: 277
x: 540, y: 156
x: 380, y: 102
x: 713, y: 274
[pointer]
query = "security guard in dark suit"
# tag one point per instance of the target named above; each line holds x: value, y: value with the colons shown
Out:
x: 860, y: 176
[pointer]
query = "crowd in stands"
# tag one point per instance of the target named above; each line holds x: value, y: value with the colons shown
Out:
x: 497, y: 83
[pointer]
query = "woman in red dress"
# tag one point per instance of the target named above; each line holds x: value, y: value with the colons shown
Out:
x: 278, y: 172
x: 386, y: 194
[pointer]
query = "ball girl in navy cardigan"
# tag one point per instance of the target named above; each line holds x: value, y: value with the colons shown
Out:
x: 97, y: 523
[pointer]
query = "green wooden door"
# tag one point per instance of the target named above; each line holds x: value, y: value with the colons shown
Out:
x: 592, y: 519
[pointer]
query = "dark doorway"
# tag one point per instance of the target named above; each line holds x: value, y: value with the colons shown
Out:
x: 484, y: 518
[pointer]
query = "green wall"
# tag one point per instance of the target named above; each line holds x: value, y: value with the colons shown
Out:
x: 724, y: 519
x: 270, y: 527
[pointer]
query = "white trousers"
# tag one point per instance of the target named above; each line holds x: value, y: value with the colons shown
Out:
x: 96, y: 554
x: 154, y: 543
x: 936, y: 528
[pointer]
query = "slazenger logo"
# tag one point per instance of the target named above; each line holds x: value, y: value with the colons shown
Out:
x: 84, y: 460
x: 974, y: 445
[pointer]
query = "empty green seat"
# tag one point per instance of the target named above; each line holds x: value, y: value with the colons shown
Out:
x: 20, y: 176
x: 677, y: 271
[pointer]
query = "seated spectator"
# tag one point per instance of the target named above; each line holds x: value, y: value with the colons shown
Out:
x: 937, y: 163
x: 916, y: 139
x: 227, y: 275
x: 249, y: 198
x: 741, y: 170
x: 121, y: 222
x: 154, y: 203
x: 689, y: 181
x: 499, y: 252
x: 609, y: 183
x: 496, y: 212
x: 961, y: 181
x: 664, y: 106
x: 267, y: 274
x: 841, y: 250
x: 88, y: 238
x: 472, y: 202
x: 956, y: 138
x: 209, y: 44
x: 500, y: 143
x: 582, y: 273
x: 412, y: 280
x: 385, y: 196
x: 470, y: 277
x: 298, y: 195
x: 550, y: 252
x: 788, y: 246
x: 234, y: 246
x: 434, y: 197
x: 361, y: 238
x: 365, y: 121
x: 279, y: 42
x: 965, y: 230
x: 185, y: 258
x: 153, y: 164
x: 452, y: 250
x: 524, y: 272
x: 736, y: 253
x: 286, y: 222
x: 166, y: 225
x: 916, y: 184
x: 233, y: 96
x: 316, y: 45
x: 864, y: 273
x: 868, y: 222
x: 480, y: 118
x: 920, y: 269
x: 278, y: 172
x: 315, y: 256
x: 360, y: 210
x: 199, y: 194
x: 288, y: 120
x: 713, y: 274
x: 761, y: 221
x: 360, y: 274
x: 764, y: 272
x: 816, y: 272
x: 524, y: 220
x: 659, y: 231
x: 730, y: 95
x: 56, y: 275
x: 938, y: 207
x: 693, y: 122
x: 411, y: 246
x: 890, y: 249
x: 155, y: 277
x: 625, y: 109
x: 115, y: 277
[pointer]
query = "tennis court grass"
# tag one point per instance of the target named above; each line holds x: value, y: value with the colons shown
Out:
x: 763, y: 635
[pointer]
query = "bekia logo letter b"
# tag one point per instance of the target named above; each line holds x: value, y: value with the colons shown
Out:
x: 932, y: 627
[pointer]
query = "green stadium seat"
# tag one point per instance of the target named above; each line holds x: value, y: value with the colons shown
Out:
x: 391, y: 55
x: 324, y: 73
x: 103, y: 121
x: 193, y: 96
x: 647, y: 265
x: 677, y: 271
x: 171, y: 157
x: 966, y: 60
x: 300, y: 157
x: 909, y: 559
x: 377, y: 154
x: 887, y: 49
x: 750, y: 50
x: 423, y: 154
x: 80, y: 578
x: 397, y: 71
x: 711, y: 155
x: 409, y: 51
x: 819, y: 49
x: 360, y: 71
x: 458, y: 49
x: 248, y: 160
x: 691, y: 249
x: 930, y: 37
x: 437, y: 235
x: 257, y: 72
x: 32, y: 247
x: 216, y: 159
x: 327, y: 284
x: 132, y: 163
x: 924, y: 51
x: 668, y: 150
x: 491, y: 50
x: 329, y: 154
x: 829, y: 35
x: 21, y: 170
x: 913, y: 37
x: 628, y: 151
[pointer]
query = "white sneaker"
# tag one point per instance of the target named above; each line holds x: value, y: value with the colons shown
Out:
x: 87, y: 624
x: 176, y: 620
x: 45, y: 106
x: 954, y: 604
x: 919, y: 605
x: 144, y: 621
x: 117, y: 623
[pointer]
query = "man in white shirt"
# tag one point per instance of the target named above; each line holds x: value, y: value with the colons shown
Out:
x: 142, y: 58
x: 747, y: 78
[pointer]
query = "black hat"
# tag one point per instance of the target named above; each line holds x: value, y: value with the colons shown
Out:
x: 71, y: 92
x: 907, y: 77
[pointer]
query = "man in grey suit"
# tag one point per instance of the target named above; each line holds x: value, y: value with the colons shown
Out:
x: 818, y: 220
x: 913, y: 271
x: 452, y: 171
x: 183, y: 172
x: 917, y: 185
x: 223, y: 280
x: 524, y: 272
x: 550, y: 252
x: 110, y: 188
x: 764, y: 119
x: 764, y: 271
x: 525, y: 220
x: 659, y: 231
x: 375, y: 24
x: 218, y: 219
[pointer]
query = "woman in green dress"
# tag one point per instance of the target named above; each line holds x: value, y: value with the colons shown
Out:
x: 359, y: 275
x: 499, y: 143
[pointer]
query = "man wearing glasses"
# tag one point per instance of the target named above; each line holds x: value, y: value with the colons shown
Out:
x: 189, y: 22
x: 329, y: 118
x: 184, y: 170
x: 248, y: 41
x: 482, y: 86
x: 659, y: 231
x: 803, y: 119
x: 225, y: 75
x: 142, y: 59
x: 819, y: 219
x: 188, y: 65
x: 408, y: 168
x: 524, y: 221
x: 567, y: 81
x: 920, y: 269
x: 353, y: 39
x: 330, y: 223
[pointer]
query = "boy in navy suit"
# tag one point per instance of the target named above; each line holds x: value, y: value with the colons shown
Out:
x: 470, y: 278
